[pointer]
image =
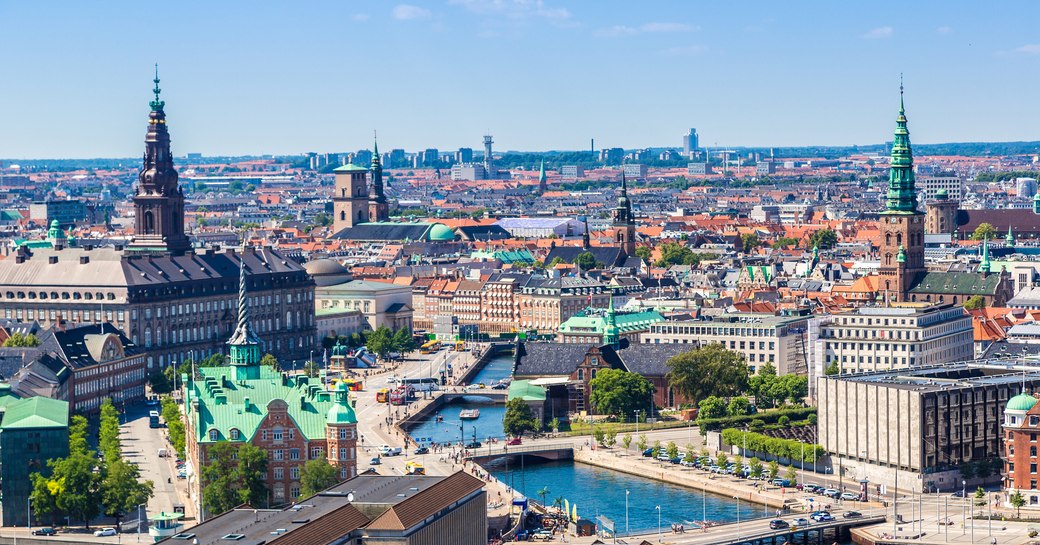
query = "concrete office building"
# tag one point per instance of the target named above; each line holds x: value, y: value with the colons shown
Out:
x: 67, y: 212
x: 899, y: 337
x: 571, y: 172
x: 928, y: 187
x: 918, y: 424
x: 761, y: 338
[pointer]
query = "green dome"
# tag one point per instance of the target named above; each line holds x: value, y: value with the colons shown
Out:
x: 341, y: 411
x: 440, y: 232
x: 55, y: 224
x: 1021, y: 402
x: 942, y: 194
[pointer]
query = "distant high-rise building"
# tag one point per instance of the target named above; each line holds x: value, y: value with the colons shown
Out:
x: 633, y: 170
x: 489, y: 159
x: 690, y: 142
x: 464, y: 155
x: 611, y: 156
x: 571, y: 172
x: 397, y: 159
x: 362, y: 157
x: 430, y: 157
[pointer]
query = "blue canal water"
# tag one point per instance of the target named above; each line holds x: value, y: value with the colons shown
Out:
x: 499, y: 367
x: 489, y: 424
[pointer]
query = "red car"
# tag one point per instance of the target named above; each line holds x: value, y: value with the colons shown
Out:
x: 513, y: 441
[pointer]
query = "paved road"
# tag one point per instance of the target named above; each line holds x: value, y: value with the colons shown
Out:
x: 141, y: 445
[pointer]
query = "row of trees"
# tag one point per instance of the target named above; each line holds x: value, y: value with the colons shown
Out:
x: 171, y: 414
x: 384, y: 341
x: 781, y: 448
x: 83, y: 484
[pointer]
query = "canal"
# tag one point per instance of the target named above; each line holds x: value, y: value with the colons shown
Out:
x: 497, y: 368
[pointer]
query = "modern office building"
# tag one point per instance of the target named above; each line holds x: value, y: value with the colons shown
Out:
x: 698, y: 169
x: 918, y: 425
x: 32, y: 431
x: 928, y: 187
x: 66, y: 212
x: 881, y: 338
x: 292, y: 418
x: 761, y: 338
x: 635, y: 171
x: 571, y: 172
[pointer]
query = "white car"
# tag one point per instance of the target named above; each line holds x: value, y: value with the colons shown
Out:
x: 105, y: 532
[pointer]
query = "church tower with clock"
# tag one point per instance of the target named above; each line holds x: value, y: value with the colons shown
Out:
x: 901, y: 224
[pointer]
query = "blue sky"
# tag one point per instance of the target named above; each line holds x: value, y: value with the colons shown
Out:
x: 244, y: 77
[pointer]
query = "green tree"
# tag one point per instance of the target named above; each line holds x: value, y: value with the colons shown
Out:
x: 626, y: 441
x: 618, y: 392
x: 554, y: 425
x: 519, y: 418
x: 774, y: 469
x: 122, y: 489
x: 967, y: 470
x: 707, y: 370
x: 317, y: 475
x: 791, y: 474
x: 1017, y: 501
x: 980, y: 496
x: 832, y: 369
x: 270, y: 361
x: 598, y: 436
x: 975, y: 302
x: 20, y: 340
x: 711, y: 407
x: 221, y: 491
x: 380, y: 342
x: 311, y: 368
x: 749, y: 241
x: 689, y: 456
x: 251, y: 474
x: 721, y: 459
x: 78, y: 486
x: 738, y: 461
x: 641, y: 445
x: 739, y: 406
x: 783, y: 421
x: 611, y: 439
x: 756, y: 468
x: 656, y: 449
x: 555, y: 261
x: 985, y: 231
x: 108, y: 431
x: 784, y: 242
x: 160, y: 383
x: 644, y: 253
x: 824, y: 238
x: 171, y: 414
x: 403, y: 341
x: 43, y: 497
x: 585, y: 261
x: 672, y: 450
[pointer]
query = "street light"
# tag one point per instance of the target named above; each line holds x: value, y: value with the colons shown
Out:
x: 658, y: 507
x: 964, y: 513
x: 626, y: 511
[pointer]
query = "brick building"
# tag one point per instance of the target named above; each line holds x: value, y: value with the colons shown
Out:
x: 1021, y: 431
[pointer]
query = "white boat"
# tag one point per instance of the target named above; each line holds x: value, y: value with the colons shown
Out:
x: 469, y: 414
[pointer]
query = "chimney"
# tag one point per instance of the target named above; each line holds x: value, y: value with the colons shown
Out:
x: 245, y: 402
x: 52, y: 259
x: 84, y: 259
x: 303, y: 402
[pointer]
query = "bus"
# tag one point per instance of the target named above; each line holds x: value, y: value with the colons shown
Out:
x: 460, y: 346
x: 430, y: 347
x: 153, y: 419
x: 422, y: 384
x: 354, y: 385
x: 400, y: 395
x: 383, y: 395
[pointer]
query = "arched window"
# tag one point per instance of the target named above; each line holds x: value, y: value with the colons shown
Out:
x: 149, y: 222
x: 343, y: 215
x: 888, y: 239
x: 235, y: 434
x: 214, y: 435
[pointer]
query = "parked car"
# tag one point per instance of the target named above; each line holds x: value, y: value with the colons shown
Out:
x: 685, y: 463
x: 830, y: 492
x: 105, y: 532
x: 45, y: 531
x: 851, y: 514
x: 850, y: 496
x: 781, y: 482
x: 677, y: 460
x: 778, y: 524
x: 422, y: 450
x: 648, y: 452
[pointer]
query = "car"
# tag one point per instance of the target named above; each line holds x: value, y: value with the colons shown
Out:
x: 851, y: 514
x: 514, y: 441
x: 473, y: 445
x: 182, y: 474
x: 800, y: 522
x: 687, y: 463
x: 105, y: 532
x: 648, y: 452
x: 422, y: 450
x: 958, y: 494
x: 850, y: 496
x: 781, y: 482
x: 374, y: 461
x: 677, y: 460
x: 500, y: 386
x: 778, y: 524
x: 387, y: 450
x: 830, y: 492
x: 45, y: 531
x: 821, y: 516
x: 663, y: 456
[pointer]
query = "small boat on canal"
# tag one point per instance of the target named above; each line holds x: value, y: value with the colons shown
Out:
x: 469, y: 414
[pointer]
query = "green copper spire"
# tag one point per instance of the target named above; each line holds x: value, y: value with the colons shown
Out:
x: 1009, y: 240
x: 542, y: 179
x: 902, y: 195
x: 901, y: 256
x: 814, y: 261
x: 985, y: 266
x: 157, y: 105
x: 244, y: 343
x: 611, y: 333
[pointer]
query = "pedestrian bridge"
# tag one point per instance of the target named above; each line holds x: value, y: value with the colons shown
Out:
x: 487, y: 452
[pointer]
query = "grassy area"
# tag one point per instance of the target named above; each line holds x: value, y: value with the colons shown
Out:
x: 582, y: 428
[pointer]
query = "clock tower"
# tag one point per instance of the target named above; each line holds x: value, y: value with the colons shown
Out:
x: 901, y: 224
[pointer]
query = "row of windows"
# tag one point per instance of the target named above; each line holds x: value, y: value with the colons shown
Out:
x: 671, y: 329
x: 75, y: 296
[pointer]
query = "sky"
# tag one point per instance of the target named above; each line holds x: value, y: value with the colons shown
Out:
x: 258, y: 77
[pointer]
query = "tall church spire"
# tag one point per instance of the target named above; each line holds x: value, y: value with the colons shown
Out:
x: 985, y: 266
x: 902, y: 195
x: 244, y: 343
x: 159, y: 202
x: 378, y: 209
x: 542, y: 185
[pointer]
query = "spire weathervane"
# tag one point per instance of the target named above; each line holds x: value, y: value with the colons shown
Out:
x: 157, y: 105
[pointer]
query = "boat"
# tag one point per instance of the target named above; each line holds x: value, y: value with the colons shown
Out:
x: 469, y: 414
x: 440, y: 418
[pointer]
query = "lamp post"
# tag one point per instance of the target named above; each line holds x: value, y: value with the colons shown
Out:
x: 626, y: 511
x: 658, y: 523
x: 964, y: 514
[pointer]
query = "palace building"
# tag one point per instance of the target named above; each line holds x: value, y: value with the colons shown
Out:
x: 172, y: 300
x: 293, y: 418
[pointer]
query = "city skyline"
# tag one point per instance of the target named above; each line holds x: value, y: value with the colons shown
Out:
x: 538, y: 75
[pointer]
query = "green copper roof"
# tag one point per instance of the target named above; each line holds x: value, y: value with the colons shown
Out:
x: 35, y: 412
x: 1021, y: 402
x: 341, y: 411
x: 902, y: 195
x: 505, y: 256
x: 594, y: 322
x: 222, y: 402
x: 350, y: 167
x: 523, y: 389
x: 901, y: 256
x: 441, y: 232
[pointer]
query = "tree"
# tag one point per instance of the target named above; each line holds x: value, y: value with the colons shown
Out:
x: 543, y: 493
x: 585, y: 261
x: 967, y: 470
x: 221, y: 491
x: 655, y: 450
x: 644, y: 253
x: 108, y: 432
x: 555, y: 261
x: 598, y: 436
x: 756, y: 468
x: 380, y: 342
x: 122, y: 491
x: 20, y: 340
x: 985, y: 231
x: 721, y: 459
x: 711, y: 407
x: 618, y: 392
x: 554, y: 425
x: 738, y: 461
x: 739, y: 406
x: 160, y: 383
x: 1017, y: 501
x: 171, y: 414
x: 43, y: 497
x: 611, y: 439
x: 317, y: 475
x: 749, y: 241
x: 784, y: 242
x: 980, y: 496
x: 975, y: 302
x: 519, y: 418
x: 311, y: 368
x: 641, y: 445
x: 791, y: 474
x: 403, y: 341
x: 626, y: 441
x: 689, y: 455
x: 824, y: 238
x: 270, y: 361
x: 707, y: 370
x: 832, y: 369
x: 774, y: 469
x: 672, y: 450
x: 251, y: 475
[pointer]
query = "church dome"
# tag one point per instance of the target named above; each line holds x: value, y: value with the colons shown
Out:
x: 441, y: 233
x: 1021, y: 402
x: 327, y: 272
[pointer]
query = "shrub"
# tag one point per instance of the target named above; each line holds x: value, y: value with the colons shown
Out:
x: 767, y: 417
x: 780, y: 448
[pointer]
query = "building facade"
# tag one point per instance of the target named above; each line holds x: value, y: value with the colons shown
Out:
x: 65, y: 212
x: 381, y: 303
x: 900, y: 337
x: 32, y: 431
x: 1021, y: 428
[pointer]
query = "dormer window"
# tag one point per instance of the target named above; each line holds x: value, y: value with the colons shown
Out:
x: 235, y: 434
x: 214, y: 435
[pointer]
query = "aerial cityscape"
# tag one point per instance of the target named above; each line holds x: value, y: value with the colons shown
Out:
x: 678, y: 303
